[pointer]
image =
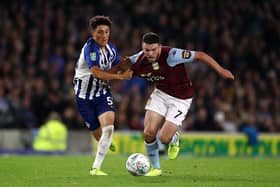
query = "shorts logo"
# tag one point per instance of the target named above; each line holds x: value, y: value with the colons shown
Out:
x: 93, y: 56
x: 155, y: 66
x: 87, y: 124
x: 186, y: 54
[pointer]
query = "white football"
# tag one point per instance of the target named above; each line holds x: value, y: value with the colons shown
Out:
x: 137, y: 164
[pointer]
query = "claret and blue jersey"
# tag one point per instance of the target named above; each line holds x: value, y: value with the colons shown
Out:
x: 168, y: 73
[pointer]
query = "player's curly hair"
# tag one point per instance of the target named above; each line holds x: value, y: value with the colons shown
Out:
x: 99, y: 20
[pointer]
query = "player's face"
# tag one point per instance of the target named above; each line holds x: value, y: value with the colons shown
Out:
x: 101, y: 35
x: 151, y: 51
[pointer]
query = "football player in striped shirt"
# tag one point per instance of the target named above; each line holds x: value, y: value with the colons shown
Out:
x: 92, y: 89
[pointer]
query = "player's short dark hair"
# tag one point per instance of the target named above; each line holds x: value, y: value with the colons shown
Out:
x: 151, y: 38
x: 99, y: 20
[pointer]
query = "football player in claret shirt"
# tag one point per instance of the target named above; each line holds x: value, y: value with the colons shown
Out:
x: 171, y: 99
x: 92, y: 90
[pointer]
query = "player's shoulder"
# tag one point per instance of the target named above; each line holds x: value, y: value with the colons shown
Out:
x: 90, y: 42
x: 165, y: 49
x: 91, y: 45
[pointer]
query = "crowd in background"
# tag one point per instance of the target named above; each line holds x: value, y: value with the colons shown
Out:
x: 40, y: 42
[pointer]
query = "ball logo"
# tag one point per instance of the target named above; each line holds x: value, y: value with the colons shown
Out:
x: 137, y: 164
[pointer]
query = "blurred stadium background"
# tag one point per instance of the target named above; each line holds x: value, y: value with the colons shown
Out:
x: 40, y: 42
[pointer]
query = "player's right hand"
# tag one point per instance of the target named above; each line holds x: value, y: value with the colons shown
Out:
x: 127, y: 75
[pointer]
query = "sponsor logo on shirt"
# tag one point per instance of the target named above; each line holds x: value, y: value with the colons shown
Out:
x: 151, y: 77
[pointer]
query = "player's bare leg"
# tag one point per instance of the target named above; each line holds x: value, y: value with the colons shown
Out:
x: 106, y: 121
x: 152, y: 123
x: 169, y: 135
x: 97, y: 133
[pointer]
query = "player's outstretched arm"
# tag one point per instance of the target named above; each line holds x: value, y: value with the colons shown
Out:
x: 105, y: 75
x: 211, y: 62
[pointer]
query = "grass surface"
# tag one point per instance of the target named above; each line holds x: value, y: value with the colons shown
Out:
x: 68, y: 171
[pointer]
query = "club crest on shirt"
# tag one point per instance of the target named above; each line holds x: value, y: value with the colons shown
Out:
x: 93, y: 56
x: 155, y: 66
x: 186, y: 54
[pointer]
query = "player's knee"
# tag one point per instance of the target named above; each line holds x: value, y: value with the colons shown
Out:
x: 149, y: 136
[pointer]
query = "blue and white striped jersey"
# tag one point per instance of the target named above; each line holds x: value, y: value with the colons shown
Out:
x: 85, y: 85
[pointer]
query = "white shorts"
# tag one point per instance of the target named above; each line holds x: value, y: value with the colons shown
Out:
x: 172, y: 108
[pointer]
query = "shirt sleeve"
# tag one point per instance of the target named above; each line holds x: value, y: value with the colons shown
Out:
x: 133, y: 59
x: 179, y: 56
x: 91, y: 56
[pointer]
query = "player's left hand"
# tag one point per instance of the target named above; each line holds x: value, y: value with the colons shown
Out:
x: 226, y: 74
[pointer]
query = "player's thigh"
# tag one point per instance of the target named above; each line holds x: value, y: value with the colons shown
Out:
x: 167, y: 131
x: 152, y: 122
x: 156, y: 109
x: 105, y: 110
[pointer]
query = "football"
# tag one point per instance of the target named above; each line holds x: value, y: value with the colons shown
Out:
x: 137, y: 164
